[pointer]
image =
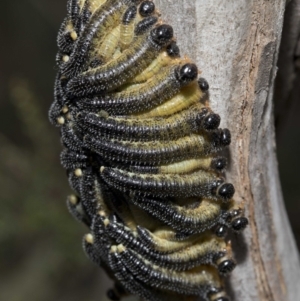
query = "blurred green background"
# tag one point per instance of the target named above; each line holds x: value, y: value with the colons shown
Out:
x: 41, y: 256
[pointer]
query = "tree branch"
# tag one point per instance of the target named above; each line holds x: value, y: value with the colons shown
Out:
x: 235, y: 43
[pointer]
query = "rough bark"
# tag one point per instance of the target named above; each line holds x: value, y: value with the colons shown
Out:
x: 235, y: 43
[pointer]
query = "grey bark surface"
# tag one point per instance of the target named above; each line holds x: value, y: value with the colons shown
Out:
x: 235, y: 43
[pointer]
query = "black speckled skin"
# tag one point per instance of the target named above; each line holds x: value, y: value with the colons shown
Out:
x: 142, y: 154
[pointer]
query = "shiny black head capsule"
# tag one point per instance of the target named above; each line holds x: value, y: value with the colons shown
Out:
x: 239, y: 224
x: 225, y: 137
x: 211, y: 122
x: 226, y: 191
x: 219, y: 163
x: 146, y: 8
x: 187, y: 73
x: 173, y: 50
x: 162, y: 34
x: 221, y: 231
x: 203, y: 84
x: 226, y: 267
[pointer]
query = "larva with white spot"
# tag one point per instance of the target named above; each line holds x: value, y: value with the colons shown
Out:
x: 141, y: 150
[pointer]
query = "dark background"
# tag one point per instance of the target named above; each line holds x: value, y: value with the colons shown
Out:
x: 41, y: 256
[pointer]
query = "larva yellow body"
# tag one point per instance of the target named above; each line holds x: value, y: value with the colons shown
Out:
x: 188, y: 96
x: 108, y: 46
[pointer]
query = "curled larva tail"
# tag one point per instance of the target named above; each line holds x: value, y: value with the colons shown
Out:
x: 142, y: 152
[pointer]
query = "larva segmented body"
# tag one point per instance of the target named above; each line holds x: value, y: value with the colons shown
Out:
x: 141, y: 153
x: 192, y: 120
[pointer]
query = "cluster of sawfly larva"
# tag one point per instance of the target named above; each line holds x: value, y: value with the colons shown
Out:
x: 141, y: 148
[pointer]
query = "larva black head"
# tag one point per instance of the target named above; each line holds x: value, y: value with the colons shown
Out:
x: 225, y: 137
x: 162, y: 34
x: 145, y: 25
x: 203, y: 84
x: 146, y: 8
x: 226, y: 191
x: 225, y: 267
x: 221, y: 137
x: 187, y: 73
x: 218, y: 163
x: 129, y: 15
x: 111, y: 295
x: 234, y: 213
x: 221, y: 230
x: 211, y: 122
x: 239, y: 224
x: 173, y: 50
